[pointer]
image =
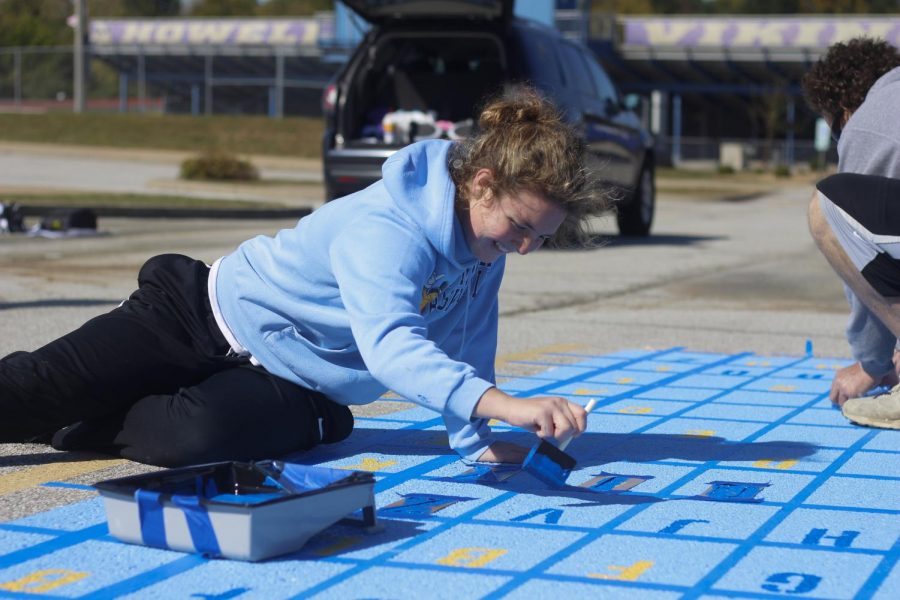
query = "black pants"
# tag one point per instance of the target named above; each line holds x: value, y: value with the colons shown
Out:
x: 157, y: 372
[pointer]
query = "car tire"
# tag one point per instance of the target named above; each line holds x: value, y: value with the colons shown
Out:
x: 635, y: 215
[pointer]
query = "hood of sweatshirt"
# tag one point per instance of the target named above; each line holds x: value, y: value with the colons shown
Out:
x: 869, y: 140
x: 418, y: 182
x: 889, y: 78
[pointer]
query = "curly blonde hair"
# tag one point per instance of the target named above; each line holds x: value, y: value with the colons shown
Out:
x: 525, y: 143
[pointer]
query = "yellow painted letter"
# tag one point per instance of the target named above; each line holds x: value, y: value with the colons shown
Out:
x: 43, y: 581
x: 629, y: 573
x: 471, y: 557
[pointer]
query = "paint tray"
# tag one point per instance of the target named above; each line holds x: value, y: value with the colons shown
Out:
x: 246, y: 511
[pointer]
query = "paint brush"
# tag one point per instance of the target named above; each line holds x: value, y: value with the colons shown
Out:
x: 550, y: 463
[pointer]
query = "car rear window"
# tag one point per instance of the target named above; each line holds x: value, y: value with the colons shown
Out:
x: 544, y: 68
x: 578, y: 78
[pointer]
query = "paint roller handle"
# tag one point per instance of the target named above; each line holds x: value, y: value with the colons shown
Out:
x: 587, y: 408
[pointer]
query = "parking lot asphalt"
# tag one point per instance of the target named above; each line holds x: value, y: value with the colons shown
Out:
x: 716, y: 275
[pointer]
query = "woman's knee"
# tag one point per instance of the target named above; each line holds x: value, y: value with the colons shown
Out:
x: 235, y: 415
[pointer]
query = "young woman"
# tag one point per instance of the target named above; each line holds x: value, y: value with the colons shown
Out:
x: 394, y: 287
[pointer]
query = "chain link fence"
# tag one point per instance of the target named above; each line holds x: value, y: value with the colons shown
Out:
x: 741, y: 154
x: 40, y: 79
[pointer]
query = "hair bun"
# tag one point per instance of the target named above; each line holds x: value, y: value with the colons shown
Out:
x: 521, y: 106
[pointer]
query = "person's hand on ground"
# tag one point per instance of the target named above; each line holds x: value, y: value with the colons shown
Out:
x: 504, y: 452
x: 853, y: 382
x: 547, y: 416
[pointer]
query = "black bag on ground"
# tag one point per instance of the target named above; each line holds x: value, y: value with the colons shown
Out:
x: 65, y: 222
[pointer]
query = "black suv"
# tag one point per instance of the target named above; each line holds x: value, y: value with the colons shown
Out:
x: 424, y: 67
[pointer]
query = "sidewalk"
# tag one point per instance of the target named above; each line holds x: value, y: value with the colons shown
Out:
x: 53, y: 169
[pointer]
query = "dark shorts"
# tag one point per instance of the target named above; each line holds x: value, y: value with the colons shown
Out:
x: 864, y: 214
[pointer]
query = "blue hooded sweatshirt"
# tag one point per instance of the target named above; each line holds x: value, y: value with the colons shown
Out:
x: 374, y: 291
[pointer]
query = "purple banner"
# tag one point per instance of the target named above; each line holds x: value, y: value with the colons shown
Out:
x: 201, y: 32
x: 735, y: 32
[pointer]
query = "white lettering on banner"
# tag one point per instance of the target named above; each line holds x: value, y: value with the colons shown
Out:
x: 169, y: 33
x: 311, y: 33
x: 735, y: 33
x: 137, y: 32
x: 714, y: 32
x: 846, y: 31
x: 762, y: 33
x: 100, y: 33
x: 209, y: 33
x: 667, y: 33
x: 281, y: 35
x: 251, y: 33
x: 808, y: 34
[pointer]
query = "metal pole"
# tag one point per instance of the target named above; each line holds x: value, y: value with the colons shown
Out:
x: 676, y: 130
x: 195, y: 100
x: 17, y: 76
x: 78, y: 89
x: 279, y: 85
x: 208, y: 83
x: 142, y: 82
x: 123, y: 92
x: 789, y: 142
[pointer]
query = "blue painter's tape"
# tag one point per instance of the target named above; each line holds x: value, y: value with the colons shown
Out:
x: 242, y: 499
x: 297, y: 478
x: 150, y: 514
x: 65, y: 484
x: 153, y: 528
x: 202, y: 533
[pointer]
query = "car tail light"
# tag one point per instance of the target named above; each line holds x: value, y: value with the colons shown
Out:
x: 329, y: 98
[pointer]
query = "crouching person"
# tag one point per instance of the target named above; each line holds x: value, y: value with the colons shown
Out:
x: 855, y: 221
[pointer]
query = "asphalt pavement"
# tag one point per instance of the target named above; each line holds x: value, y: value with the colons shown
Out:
x: 716, y: 275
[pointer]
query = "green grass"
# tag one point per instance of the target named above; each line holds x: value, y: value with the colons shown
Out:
x: 297, y: 137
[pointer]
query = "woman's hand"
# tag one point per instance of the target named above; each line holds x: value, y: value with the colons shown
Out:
x: 547, y: 416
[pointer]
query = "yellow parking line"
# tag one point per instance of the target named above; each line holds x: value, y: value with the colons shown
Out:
x: 537, y: 353
x: 60, y: 471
